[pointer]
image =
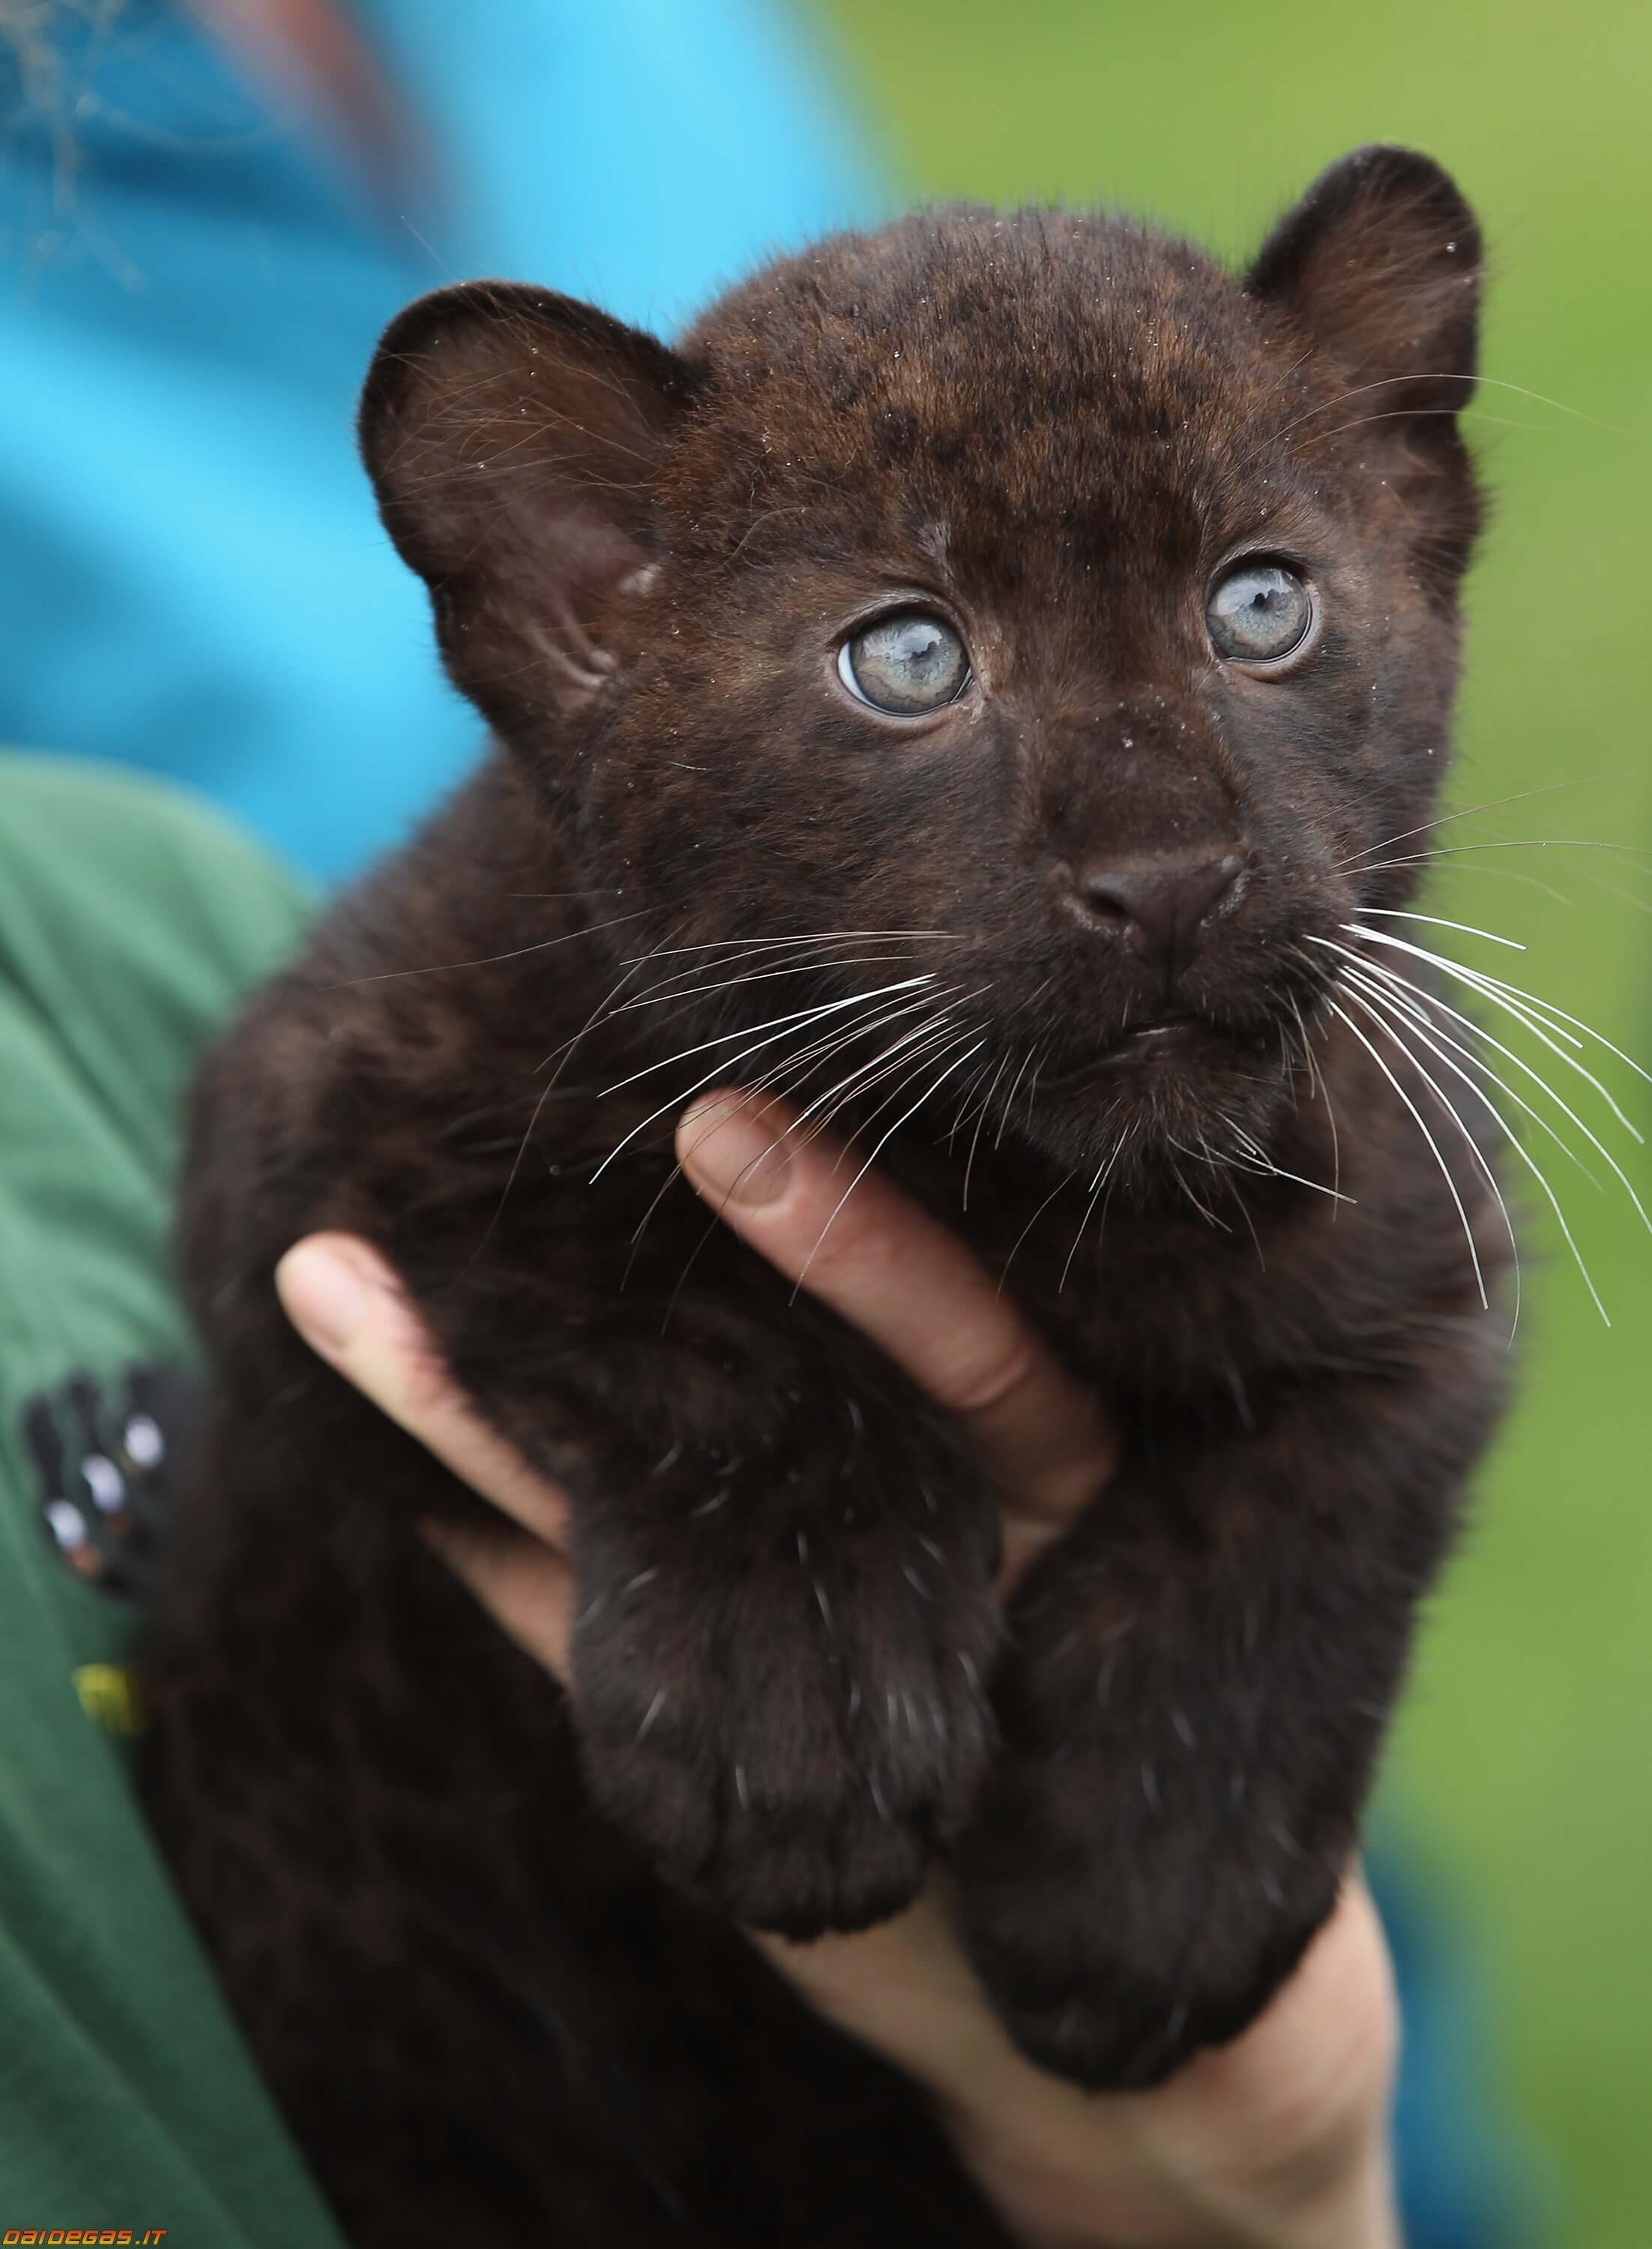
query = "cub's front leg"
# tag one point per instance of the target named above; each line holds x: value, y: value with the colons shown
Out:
x: 1195, y: 1685
x: 785, y: 1634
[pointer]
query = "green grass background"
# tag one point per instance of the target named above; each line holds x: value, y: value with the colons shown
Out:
x: 1523, y: 1754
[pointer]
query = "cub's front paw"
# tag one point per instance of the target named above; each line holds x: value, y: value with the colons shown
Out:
x: 1110, y: 2028
x: 1115, y: 1974
x: 792, y: 1733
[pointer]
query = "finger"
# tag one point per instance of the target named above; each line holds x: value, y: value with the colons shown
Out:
x: 862, y: 1246
x: 907, y: 1989
x: 904, y: 1987
x: 351, y: 1309
x: 1263, y: 2130
x: 525, y: 1586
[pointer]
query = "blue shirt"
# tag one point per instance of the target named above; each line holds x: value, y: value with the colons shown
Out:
x: 192, y: 577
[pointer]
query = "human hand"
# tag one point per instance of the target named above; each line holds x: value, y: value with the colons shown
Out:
x: 1279, y: 2139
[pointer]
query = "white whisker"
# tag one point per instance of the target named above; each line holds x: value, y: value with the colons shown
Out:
x: 1500, y: 874
x: 1506, y: 843
x: 971, y: 1086
x: 939, y: 1038
x: 1399, y: 913
x: 1525, y: 1007
x: 1382, y: 1021
x: 1570, y: 1115
x: 1317, y: 1080
x: 1470, y: 812
x: 790, y: 1071
x: 1030, y: 1223
x: 1268, y: 1169
x: 1009, y: 1104
x: 1197, y: 1157
x: 840, y: 1038
x: 1416, y: 1114
x: 981, y: 1119
x: 1412, y: 1002
x: 763, y: 943
x: 934, y: 1086
x: 791, y: 1025
x: 911, y: 1047
x: 799, y: 1015
x: 1541, y: 1177
x: 488, y: 959
x: 1096, y: 1186
x: 660, y: 996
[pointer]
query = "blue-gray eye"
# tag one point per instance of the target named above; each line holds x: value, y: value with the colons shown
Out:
x: 906, y: 663
x: 1260, y: 611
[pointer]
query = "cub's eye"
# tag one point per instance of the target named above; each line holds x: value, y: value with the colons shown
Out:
x: 906, y: 663
x: 1260, y: 611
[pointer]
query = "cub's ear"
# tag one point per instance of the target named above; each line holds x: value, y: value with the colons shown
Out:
x: 513, y: 436
x: 1379, y: 266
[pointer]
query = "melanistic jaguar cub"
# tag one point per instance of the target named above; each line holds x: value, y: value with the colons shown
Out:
x: 964, y: 686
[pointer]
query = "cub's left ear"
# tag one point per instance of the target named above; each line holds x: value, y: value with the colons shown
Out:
x: 514, y: 438
x: 1380, y: 265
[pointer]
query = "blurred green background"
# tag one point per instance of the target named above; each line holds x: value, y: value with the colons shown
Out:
x: 1522, y: 1758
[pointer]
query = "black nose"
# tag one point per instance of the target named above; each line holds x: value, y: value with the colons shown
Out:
x: 1161, y: 905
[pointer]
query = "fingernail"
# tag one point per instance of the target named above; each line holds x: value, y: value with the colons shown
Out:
x: 731, y: 1150
x: 324, y: 1293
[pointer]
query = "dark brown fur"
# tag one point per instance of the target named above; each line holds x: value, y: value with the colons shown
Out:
x: 476, y: 1928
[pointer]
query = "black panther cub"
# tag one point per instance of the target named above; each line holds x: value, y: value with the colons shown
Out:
x: 964, y: 686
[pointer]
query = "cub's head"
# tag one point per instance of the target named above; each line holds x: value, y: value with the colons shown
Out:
x: 1039, y: 640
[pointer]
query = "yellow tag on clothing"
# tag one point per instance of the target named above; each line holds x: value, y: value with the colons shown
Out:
x: 109, y: 1696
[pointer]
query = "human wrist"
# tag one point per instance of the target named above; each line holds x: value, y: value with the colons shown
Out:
x: 1119, y: 2188
x: 1357, y: 2210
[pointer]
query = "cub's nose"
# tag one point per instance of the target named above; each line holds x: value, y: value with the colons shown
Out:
x: 1161, y: 906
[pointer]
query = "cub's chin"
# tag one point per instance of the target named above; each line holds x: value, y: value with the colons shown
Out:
x: 1157, y: 1106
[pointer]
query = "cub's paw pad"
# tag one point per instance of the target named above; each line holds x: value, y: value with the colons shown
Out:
x: 1122, y: 2034
x: 1114, y: 2021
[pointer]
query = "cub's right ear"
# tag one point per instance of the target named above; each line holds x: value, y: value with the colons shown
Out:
x: 512, y: 436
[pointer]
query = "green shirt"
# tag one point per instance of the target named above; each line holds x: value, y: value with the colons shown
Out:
x: 130, y: 920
